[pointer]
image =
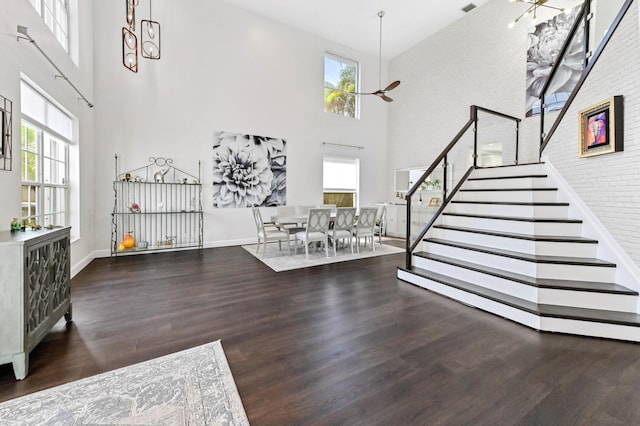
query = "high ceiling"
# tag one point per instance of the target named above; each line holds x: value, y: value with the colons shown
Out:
x: 355, y: 23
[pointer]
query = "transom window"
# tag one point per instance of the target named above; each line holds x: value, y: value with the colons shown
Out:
x: 340, y: 181
x: 45, y: 138
x: 56, y: 15
x: 340, y: 84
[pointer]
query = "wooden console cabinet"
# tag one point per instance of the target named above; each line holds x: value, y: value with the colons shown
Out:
x: 35, y: 291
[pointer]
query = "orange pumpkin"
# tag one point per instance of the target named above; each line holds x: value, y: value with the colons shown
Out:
x: 129, y: 241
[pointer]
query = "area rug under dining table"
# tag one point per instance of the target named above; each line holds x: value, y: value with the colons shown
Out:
x: 191, y: 387
x: 282, y: 260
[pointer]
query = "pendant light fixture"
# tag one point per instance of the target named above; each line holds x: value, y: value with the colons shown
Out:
x: 532, y: 10
x: 150, y: 37
x: 382, y: 93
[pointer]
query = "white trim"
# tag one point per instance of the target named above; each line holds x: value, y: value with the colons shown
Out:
x: 83, y: 263
x: 628, y: 272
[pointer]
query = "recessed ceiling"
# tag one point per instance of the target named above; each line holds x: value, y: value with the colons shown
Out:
x: 355, y: 23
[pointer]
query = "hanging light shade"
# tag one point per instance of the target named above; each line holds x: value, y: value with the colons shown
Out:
x: 129, y: 50
x: 131, y: 13
x: 150, y: 37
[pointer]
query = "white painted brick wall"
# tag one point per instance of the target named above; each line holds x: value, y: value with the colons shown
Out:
x: 478, y: 60
x: 609, y: 184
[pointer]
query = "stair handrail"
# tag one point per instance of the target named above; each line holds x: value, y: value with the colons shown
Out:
x: 442, y: 157
x: 584, y: 16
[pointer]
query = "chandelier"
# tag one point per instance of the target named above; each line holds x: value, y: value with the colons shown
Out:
x: 532, y: 9
x: 149, y: 38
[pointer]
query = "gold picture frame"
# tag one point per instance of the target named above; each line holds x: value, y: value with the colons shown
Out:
x: 434, y: 202
x: 601, y: 128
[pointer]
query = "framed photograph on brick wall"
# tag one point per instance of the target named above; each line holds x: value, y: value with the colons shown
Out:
x: 601, y: 128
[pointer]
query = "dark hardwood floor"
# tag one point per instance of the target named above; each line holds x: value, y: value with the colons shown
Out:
x: 339, y: 344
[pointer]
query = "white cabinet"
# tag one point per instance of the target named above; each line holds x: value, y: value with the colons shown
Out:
x: 397, y: 220
x: 35, y: 291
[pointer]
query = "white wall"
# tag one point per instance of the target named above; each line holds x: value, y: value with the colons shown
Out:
x: 22, y: 57
x: 477, y: 60
x: 609, y: 184
x: 223, y: 68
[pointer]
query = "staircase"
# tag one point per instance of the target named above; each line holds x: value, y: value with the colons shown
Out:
x: 506, y: 244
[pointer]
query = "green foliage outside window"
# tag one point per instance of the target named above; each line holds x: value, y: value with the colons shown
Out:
x: 341, y: 77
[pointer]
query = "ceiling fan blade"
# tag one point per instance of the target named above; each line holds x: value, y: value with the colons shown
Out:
x: 392, y: 86
x: 386, y: 98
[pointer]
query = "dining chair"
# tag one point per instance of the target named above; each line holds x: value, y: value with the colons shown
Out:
x: 304, y: 209
x: 289, y: 228
x: 268, y: 232
x: 342, y: 227
x: 364, y: 226
x: 333, y: 207
x: 316, y: 231
x: 380, y: 226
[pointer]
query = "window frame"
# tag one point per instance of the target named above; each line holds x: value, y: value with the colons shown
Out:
x: 52, y: 18
x: 42, y: 213
x: 348, y: 62
x: 355, y: 162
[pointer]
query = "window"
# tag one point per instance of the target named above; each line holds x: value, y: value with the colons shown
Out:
x: 56, y: 15
x: 340, y: 82
x: 340, y: 181
x: 45, y: 138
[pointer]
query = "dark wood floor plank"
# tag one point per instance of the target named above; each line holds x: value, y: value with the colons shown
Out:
x: 338, y: 344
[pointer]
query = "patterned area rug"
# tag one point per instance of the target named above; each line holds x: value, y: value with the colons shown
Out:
x: 283, y: 261
x: 191, y: 387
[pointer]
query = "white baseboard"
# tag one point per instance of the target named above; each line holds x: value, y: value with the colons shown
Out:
x: 628, y: 273
x: 83, y: 263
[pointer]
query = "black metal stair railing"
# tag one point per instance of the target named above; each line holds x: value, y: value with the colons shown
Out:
x: 579, y: 33
x: 443, y: 158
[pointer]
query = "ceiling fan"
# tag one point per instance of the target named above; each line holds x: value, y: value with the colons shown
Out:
x: 382, y: 93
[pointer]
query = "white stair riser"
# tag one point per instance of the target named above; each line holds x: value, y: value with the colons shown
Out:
x: 548, y: 296
x: 522, y: 182
x: 539, y: 270
x: 590, y: 328
x: 587, y: 299
x: 509, y: 196
x: 559, y: 325
x: 515, y: 226
x: 541, y: 248
x: 524, y: 170
x: 521, y: 291
x: 505, y: 210
x: 488, y: 305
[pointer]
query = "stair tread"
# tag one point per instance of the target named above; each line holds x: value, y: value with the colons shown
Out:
x: 513, y: 203
x: 506, y: 189
x: 514, y: 218
x: 565, y: 260
x: 555, y: 311
x: 587, y: 286
x: 528, y: 237
x: 508, y: 177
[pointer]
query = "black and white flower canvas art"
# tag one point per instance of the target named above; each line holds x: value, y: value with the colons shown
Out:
x: 249, y: 170
x: 545, y: 43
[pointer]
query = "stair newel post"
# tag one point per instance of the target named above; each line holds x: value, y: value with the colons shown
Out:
x: 474, y: 117
x: 517, y: 140
x: 408, y: 239
x: 445, y: 166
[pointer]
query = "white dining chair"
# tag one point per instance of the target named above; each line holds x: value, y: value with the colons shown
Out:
x: 290, y: 228
x: 342, y: 227
x: 316, y: 230
x: 364, y: 226
x: 380, y: 226
x: 333, y: 207
x: 268, y: 232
